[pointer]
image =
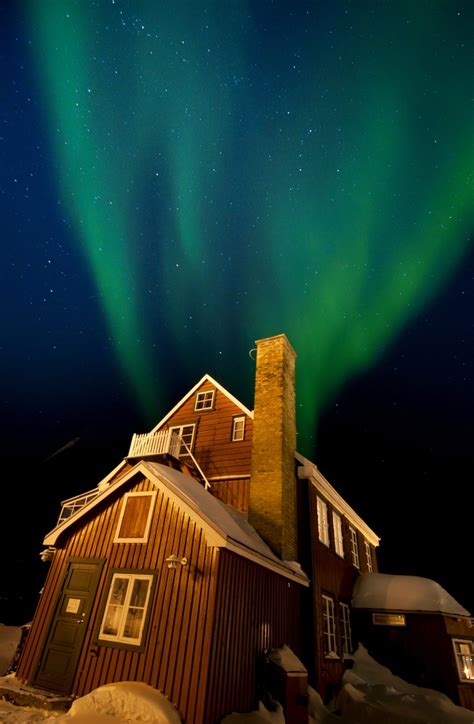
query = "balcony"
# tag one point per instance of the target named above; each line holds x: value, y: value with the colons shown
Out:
x: 155, y: 443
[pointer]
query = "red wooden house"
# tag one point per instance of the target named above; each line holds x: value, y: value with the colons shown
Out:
x: 181, y: 568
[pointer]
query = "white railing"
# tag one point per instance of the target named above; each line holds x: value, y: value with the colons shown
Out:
x: 72, y: 505
x: 156, y: 443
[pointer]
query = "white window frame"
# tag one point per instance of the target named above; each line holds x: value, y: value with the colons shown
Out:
x: 178, y: 429
x: 119, y: 636
x: 464, y: 659
x: 144, y: 494
x: 238, y: 428
x: 354, y: 547
x: 323, y: 526
x: 368, y: 556
x: 346, y: 633
x: 204, y: 400
x: 329, y: 628
x: 338, y: 537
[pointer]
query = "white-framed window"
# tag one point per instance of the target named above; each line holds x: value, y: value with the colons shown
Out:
x: 238, y: 428
x: 338, y: 539
x: 135, y: 517
x: 354, y: 547
x: 464, y: 652
x: 186, y: 433
x: 346, y: 634
x: 329, y: 627
x: 323, y: 528
x: 368, y: 556
x: 204, y: 400
x: 124, y: 615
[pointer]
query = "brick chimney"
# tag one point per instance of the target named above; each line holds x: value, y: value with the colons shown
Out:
x: 272, y: 504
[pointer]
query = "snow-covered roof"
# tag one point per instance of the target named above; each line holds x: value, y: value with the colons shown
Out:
x: 223, y: 526
x: 403, y: 593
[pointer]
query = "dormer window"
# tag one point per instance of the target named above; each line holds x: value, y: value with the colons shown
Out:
x: 204, y: 400
x: 238, y: 428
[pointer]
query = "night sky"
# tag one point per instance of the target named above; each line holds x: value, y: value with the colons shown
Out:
x: 179, y: 179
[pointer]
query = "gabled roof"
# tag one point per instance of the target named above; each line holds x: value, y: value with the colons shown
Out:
x: 223, y: 527
x: 310, y: 471
x: 212, y: 381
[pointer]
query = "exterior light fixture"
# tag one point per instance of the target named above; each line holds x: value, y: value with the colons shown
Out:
x: 48, y: 554
x: 173, y: 561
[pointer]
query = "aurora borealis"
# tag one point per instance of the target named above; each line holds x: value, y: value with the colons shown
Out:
x: 182, y: 178
x: 237, y: 169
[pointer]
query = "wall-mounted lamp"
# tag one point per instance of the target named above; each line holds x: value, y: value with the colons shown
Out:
x: 173, y: 561
x: 48, y: 554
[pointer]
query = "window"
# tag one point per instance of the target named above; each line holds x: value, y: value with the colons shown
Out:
x: 329, y: 628
x: 464, y: 651
x: 238, y: 428
x: 135, y: 518
x: 368, y: 556
x: 338, y: 540
x: 323, y: 529
x: 125, y: 611
x: 354, y: 547
x: 346, y: 634
x: 205, y: 400
x: 186, y: 433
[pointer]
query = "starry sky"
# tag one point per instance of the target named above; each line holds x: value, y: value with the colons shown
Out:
x: 180, y: 179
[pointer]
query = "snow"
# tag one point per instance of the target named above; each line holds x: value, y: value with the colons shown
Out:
x: 287, y: 660
x: 262, y: 716
x: 371, y: 694
x: 9, y: 640
x: 403, y: 593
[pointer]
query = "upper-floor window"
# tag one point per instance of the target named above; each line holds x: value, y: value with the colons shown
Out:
x: 238, y: 428
x: 135, y: 517
x: 354, y: 547
x: 125, y: 611
x: 323, y: 528
x: 346, y: 633
x: 329, y: 627
x: 186, y: 433
x: 464, y: 651
x: 205, y: 400
x: 337, y: 528
x: 368, y: 556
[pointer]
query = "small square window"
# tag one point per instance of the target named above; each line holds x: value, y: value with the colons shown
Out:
x: 204, y: 400
x: 125, y: 612
x: 238, y: 428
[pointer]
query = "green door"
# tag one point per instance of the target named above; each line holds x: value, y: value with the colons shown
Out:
x: 68, y: 627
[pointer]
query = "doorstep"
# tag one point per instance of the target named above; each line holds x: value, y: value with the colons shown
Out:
x: 13, y: 691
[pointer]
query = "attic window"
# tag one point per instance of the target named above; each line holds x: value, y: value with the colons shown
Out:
x: 135, y: 517
x: 204, y: 400
x: 238, y: 428
x: 125, y: 611
x: 464, y: 651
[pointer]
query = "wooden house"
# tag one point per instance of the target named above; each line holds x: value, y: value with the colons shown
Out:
x: 416, y: 629
x: 211, y: 543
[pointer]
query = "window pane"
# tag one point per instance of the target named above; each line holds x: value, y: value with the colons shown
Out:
x: 112, y: 620
x: 119, y: 591
x: 133, y: 623
x: 140, y: 589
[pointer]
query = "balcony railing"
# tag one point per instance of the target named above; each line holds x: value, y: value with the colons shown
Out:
x: 157, y: 443
x: 72, y: 505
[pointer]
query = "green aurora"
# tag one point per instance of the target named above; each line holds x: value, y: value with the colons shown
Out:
x: 242, y: 169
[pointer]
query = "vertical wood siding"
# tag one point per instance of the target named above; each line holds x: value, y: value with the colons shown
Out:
x: 255, y: 610
x: 175, y: 656
x: 233, y: 492
x: 213, y: 446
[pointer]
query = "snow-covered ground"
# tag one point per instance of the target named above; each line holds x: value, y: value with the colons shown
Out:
x: 369, y: 694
